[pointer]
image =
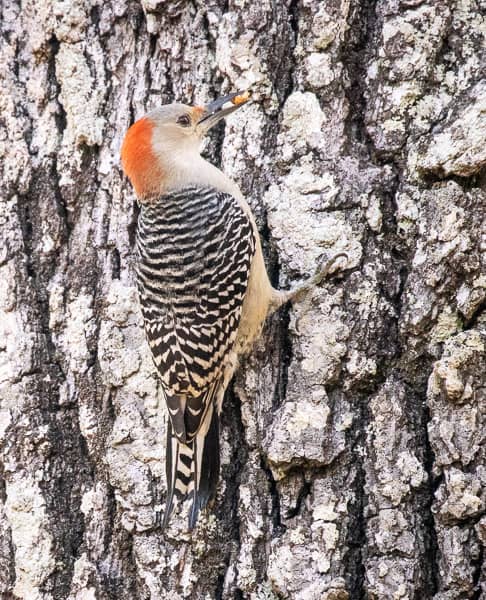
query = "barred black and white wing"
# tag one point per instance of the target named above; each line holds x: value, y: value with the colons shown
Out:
x: 195, y: 248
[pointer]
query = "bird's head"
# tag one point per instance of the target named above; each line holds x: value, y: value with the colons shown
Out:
x: 162, y: 143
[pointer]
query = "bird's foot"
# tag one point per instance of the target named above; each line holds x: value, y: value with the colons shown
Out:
x: 324, y: 269
x: 300, y: 291
x: 328, y: 267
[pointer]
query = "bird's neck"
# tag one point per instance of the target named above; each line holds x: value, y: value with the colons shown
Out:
x: 194, y: 170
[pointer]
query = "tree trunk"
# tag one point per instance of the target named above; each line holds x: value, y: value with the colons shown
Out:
x: 353, y: 456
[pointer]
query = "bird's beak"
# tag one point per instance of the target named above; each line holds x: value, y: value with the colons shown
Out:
x: 220, y: 108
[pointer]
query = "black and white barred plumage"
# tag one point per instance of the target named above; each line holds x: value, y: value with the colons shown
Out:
x: 195, y: 248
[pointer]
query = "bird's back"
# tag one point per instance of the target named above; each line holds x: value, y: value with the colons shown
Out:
x: 195, y: 248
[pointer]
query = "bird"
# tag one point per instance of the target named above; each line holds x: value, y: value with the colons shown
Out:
x: 203, y: 287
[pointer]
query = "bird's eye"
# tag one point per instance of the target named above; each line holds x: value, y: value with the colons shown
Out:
x: 184, y: 120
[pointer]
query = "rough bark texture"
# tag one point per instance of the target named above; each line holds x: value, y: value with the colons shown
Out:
x: 353, y: 438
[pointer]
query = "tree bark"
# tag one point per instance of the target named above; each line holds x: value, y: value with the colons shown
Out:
x: 353, y: 452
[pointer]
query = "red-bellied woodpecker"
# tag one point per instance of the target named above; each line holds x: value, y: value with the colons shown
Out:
x: 203, y: 286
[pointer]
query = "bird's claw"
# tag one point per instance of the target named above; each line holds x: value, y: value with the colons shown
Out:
x: 329, y: 266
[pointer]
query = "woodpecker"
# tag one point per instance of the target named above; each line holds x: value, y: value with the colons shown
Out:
x: 203, y: 286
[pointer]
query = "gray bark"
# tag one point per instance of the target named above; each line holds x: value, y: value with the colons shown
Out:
x: 353, y: 456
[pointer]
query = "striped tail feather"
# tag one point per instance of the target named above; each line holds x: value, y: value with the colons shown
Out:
x: 178, y: 465
x: 192, y: 468
x: 206, y: 466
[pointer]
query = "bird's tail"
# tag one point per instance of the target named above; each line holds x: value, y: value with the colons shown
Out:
x: 192, y: 468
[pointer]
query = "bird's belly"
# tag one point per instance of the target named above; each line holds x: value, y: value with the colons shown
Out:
x: 255, y: 305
